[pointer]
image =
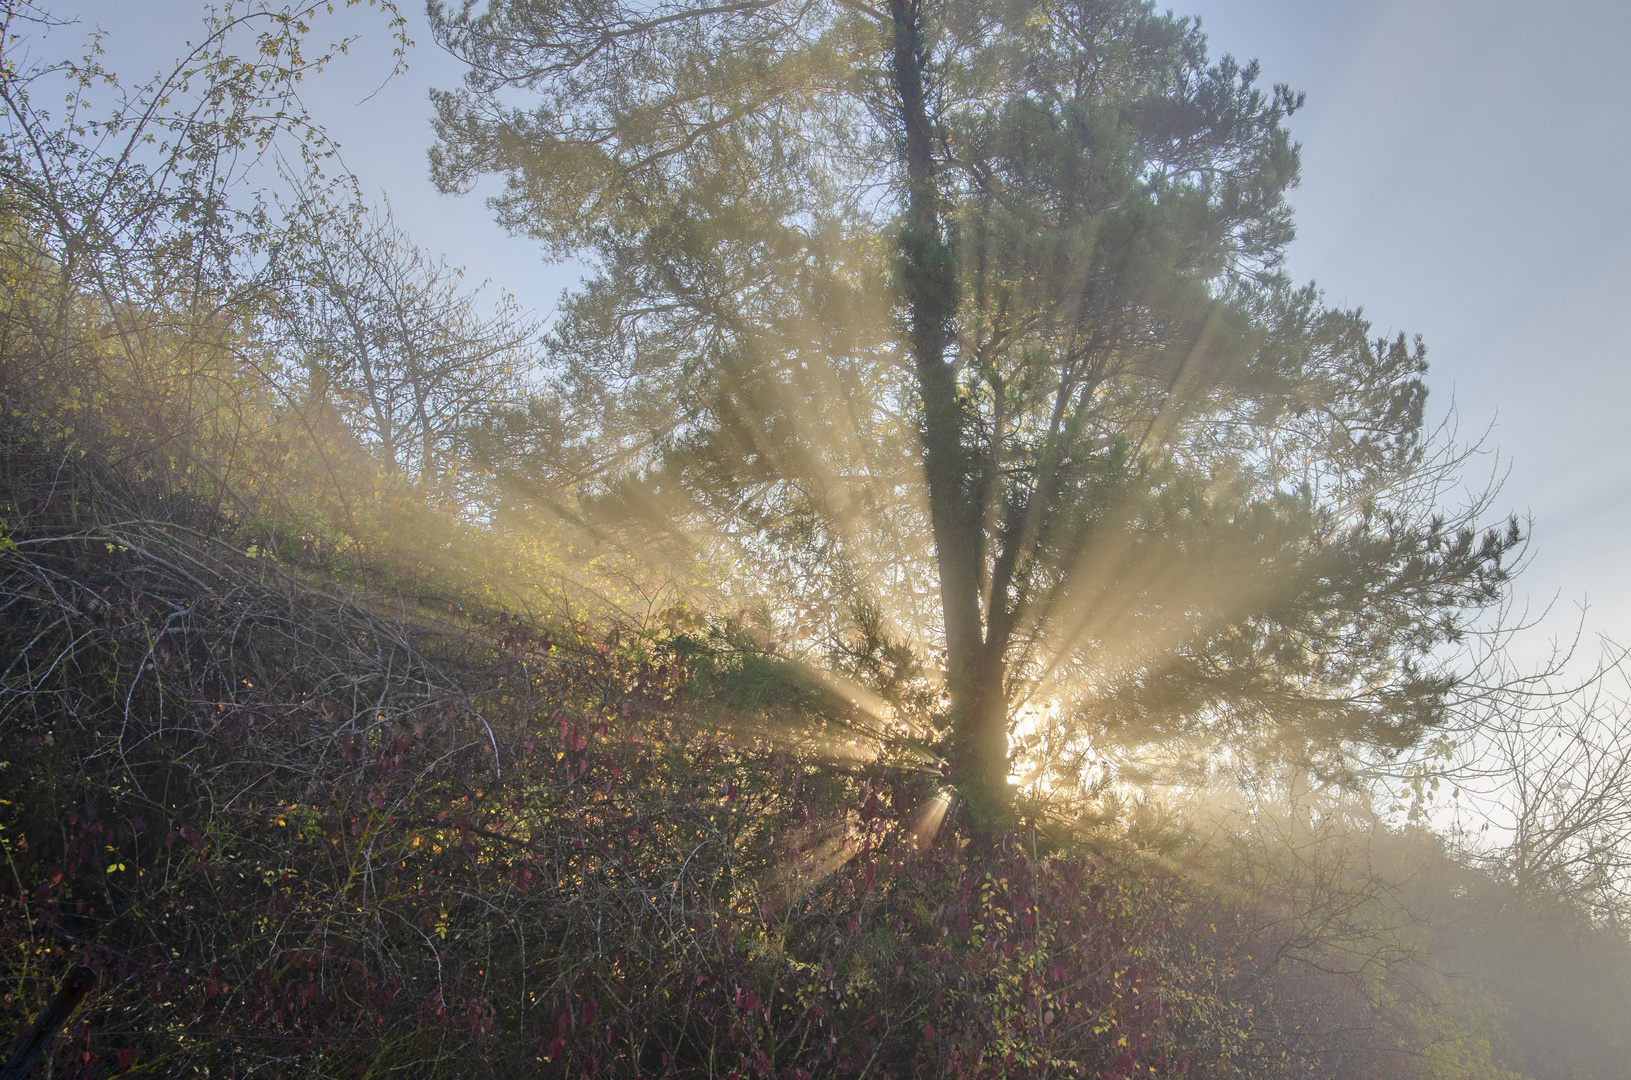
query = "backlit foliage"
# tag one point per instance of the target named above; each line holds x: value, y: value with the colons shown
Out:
x: 335, y: 751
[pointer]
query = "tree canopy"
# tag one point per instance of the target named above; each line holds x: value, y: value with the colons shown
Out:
x: 976, y: 313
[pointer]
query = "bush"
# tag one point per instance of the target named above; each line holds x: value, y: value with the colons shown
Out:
x: 301, y: 829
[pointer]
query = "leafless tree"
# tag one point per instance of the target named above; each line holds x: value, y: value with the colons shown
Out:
x: 392, y: 338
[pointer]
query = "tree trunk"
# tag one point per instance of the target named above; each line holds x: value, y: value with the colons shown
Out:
x: 957, y: 488
x: 980, y: 735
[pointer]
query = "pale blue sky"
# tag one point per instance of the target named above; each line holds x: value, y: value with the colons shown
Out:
x: 1464, y: 171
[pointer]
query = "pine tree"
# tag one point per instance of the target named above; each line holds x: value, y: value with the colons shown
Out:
x: 976, y: 311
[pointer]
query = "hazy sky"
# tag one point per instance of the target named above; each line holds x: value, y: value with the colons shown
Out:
x: 1464, y: 178
x: 1464, y: 170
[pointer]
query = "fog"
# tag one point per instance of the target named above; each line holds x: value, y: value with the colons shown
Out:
x: 911, y: 590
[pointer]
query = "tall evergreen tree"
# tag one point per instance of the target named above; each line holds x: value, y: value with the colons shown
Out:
x: 981, y: 304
